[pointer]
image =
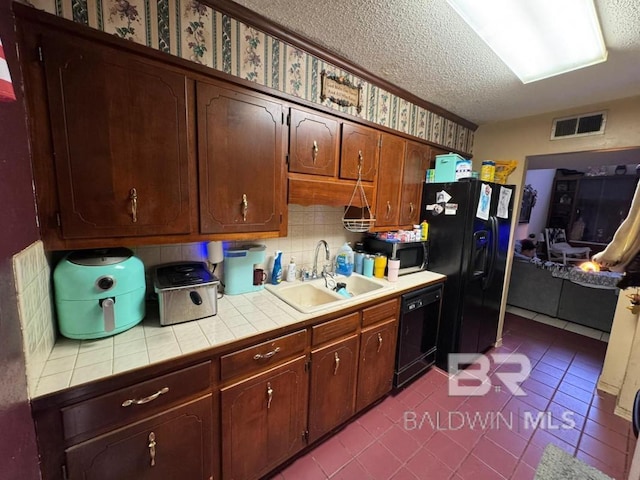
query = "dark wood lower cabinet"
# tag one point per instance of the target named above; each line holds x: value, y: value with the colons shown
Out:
x: 333, y: 381
x: 176, y: 444
x: 264, y: 420
x: 377, y: 360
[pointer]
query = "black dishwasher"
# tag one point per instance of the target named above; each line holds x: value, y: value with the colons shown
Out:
x: 417, y: 333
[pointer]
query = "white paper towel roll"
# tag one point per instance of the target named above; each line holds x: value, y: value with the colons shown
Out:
x: 214, y: 252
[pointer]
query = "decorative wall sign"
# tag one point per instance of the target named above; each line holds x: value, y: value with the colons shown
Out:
x: 340, y: 90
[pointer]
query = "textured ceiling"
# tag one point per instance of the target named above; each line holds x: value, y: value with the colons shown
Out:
x: 425, y: 48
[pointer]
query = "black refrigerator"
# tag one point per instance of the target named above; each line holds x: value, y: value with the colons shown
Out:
x: 469, y: 226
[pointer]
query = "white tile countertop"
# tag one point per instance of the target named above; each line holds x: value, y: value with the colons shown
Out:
x: 73, y: 362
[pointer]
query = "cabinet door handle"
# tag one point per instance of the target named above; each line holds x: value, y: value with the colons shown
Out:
x: 133, y: 196
x: 245, y: 207
x: 388, y: 208
x: 379, y: 342
x: 315, y: 151
x: 360, y: 162
x: 141, y: 401
x: 411, y: 208
x: 263, y: 356
x: 337, y: 363
x: 269, y: 394
x: 152, y: 448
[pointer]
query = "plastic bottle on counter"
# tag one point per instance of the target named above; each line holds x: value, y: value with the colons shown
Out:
x: 424, y: 231
x: 276, y: 274
x: 358, y: 261
x: 291, y: 271
x: 344, y: 260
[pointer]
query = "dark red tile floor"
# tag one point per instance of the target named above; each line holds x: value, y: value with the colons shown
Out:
x: 421, y: 432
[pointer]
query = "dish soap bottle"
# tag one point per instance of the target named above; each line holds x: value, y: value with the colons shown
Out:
x: 291, y: 271
x: 276, y: 274
x: 344, y: 260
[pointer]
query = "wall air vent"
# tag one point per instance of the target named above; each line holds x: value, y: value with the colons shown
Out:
x: 582, y: 125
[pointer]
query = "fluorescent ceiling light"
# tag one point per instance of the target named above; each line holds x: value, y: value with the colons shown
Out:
x: 537, y: 38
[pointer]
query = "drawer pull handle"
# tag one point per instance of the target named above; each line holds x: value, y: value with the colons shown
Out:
x: 264, y: 356
x: 269, y: 394
x: 152, y: 448
x: 379, y: 342
x: 337, y: 363
x: 141, y: 401
x: 315, y: 151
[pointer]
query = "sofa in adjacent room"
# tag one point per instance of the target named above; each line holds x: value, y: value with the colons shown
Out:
x: 564, y: 293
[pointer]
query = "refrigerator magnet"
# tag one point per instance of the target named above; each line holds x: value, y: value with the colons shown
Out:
x: 484, y: 202
x: 442, y: 197
x: 503, y: 203
x: 451, y: 208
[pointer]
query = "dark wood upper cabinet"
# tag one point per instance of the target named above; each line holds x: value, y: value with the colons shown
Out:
x: 240, y: 159
x: 314, y: 143
x: 392, y: 153
x: 416, y: 163
x: 360, y: 149
x: 119, y: 128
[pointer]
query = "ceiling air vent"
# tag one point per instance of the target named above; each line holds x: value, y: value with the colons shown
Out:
x: 587, y: 124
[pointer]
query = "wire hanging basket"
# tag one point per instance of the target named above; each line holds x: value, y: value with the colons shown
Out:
x: 366, y: 220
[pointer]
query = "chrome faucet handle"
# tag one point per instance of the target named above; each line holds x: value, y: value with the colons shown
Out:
x: 305, y: 274
x: 329, y: 279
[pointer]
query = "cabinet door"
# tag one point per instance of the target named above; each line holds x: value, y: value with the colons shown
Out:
x: 263, y: 420
x: 377, y: 361
x: 333, y: 386
x: 562, y: 203
x: 392, y: 153
x: 601, y: 205
x: 416, y: 163
x: 314, y: 143
x: 360, y: 147
x: 119, y: 130
x: 174, y: 444
x: 240, y: 160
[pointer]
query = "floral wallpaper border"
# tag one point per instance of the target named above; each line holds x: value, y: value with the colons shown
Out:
x: 196, y: 32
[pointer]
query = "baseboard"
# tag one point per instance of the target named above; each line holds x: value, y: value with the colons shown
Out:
x: 623, y: 412
x: 608, y: 388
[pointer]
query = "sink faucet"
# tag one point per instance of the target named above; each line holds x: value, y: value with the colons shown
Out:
x: 314, y: 273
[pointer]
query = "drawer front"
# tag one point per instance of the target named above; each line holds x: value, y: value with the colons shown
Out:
x: 264, y: 355
x: 380, y: 312
x: 135, y: 402
x: 334, y: 329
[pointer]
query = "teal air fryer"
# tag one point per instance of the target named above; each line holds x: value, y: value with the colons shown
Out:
x: 99, y: 293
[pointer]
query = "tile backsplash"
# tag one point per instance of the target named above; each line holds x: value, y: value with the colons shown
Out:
x: 307, y: 225
x: 32, y: 271
x: 33, y: 288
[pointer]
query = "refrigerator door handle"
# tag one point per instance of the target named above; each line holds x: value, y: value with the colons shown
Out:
x: 493, y: 251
